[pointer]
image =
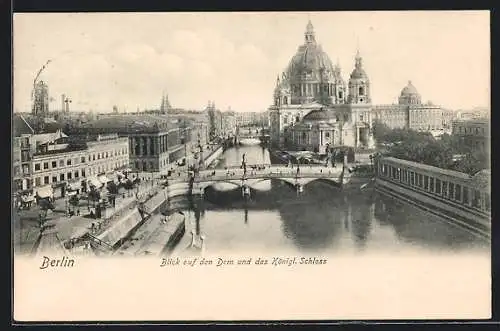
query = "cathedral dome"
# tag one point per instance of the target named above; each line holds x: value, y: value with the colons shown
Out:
x: 310, y: 60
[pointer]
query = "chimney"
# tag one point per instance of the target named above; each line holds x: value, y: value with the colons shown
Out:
x: 63, y: 97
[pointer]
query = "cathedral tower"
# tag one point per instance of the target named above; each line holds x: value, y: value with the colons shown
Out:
x: 359, y: 84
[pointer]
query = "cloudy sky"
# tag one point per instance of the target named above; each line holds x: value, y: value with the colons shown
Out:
x: 124, y: 59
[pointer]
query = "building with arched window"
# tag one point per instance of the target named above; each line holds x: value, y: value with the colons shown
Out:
x: 313, y: 106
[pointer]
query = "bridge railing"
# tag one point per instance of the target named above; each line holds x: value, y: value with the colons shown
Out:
x: 265, y: 175
x: 236, y: 173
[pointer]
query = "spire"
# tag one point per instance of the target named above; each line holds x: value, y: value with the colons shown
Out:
x: 162, y: 106
x: 310, y: 33
x: 359, y: 59
x: 278, y: 80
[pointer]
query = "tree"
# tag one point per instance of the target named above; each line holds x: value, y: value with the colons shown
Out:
x: 74, y: 200
x: 94, y: 195
x: 113, y: 191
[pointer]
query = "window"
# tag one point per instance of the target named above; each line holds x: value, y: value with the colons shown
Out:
x: 426, y: 183
x: 458, y: 192
x: 37, y: 166
x: 69, y: 175
x: 93, y: 157
x: 431, y: 184
x: 420, y: 180
x: 346, y: 117
x: 37, y: 181
x: 476, y: 199
x: 61, y: 163
x: 54, y: 164
x: 98, y: 156
x: 451, y: 188
x: 76, y: 174
x: 46, y: 165
x: 327, y: 134
x: 89, y: 158
x: 68, y: 163
x: 361, y: 118
x: 83, y: 159
x: 466, y: 195
x: 412, y: 178
x: 438, y: 186
x: 54, y: 179
x: 83, y: 172
x: 445, y: 189
x: 46, y: 179
x: 61, y: 177
x: 106, y: 154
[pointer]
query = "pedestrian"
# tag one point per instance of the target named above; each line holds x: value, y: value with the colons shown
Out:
x: 78, y: 212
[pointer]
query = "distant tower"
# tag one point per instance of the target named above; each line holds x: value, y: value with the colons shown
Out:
x: 63, y: 100
x: 40, y: 99
x: 165, y: 104
x: 115, y: 109
x: 359, y: 84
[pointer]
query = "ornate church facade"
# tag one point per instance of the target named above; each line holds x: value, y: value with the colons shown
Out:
x: 313, y: 106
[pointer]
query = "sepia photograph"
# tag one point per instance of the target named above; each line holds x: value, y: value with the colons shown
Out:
x: 323, y: 165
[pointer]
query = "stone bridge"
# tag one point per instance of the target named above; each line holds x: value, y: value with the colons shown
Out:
x: 255, y: 174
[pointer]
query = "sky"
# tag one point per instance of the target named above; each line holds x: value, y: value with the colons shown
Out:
x: 129, y: 59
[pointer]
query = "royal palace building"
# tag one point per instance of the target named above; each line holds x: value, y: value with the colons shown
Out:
x: 313, y: 106
x: 411, y: 113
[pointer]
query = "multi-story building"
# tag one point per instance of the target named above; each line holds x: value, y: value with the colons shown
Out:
x: 228, y: 123
x: 154, y: 142
x: 314, y: 108
x: 473, y: 133
x: 52, y: 163
x: 411, y: 113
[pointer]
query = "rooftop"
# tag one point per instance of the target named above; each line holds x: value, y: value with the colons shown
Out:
x: 482, y: 174
x: 140, y: 122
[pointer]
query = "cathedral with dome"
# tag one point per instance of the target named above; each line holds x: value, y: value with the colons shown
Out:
x: 313, y: 106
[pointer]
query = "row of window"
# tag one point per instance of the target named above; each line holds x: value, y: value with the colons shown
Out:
x: 467, y: 196
x: 68, y: 162
x: 462, y: 129
x: 77, y: 174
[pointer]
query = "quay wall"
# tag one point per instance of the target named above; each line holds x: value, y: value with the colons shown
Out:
x: 466, y: 219
x: 213, y: 156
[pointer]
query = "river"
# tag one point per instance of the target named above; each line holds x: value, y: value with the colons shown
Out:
x: 321, y: 220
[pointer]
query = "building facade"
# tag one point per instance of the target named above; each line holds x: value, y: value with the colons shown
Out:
x: 154, y: 142
x: 473, y: 133
x: 54, y: 162
x: 313, y: 106
x: 411, y: 113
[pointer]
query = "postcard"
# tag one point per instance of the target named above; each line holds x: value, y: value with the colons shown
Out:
x: 243, y: 166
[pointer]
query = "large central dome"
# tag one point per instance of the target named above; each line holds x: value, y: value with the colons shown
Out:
x: 310, y: 62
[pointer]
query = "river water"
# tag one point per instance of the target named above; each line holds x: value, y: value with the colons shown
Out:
x: 322, y: 220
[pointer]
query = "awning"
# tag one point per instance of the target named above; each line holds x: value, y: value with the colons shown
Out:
x: 103, y: 179
x: 75, y: 186
x: 95, y: 182
x: 71, y: 193
x: 45, y: 192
